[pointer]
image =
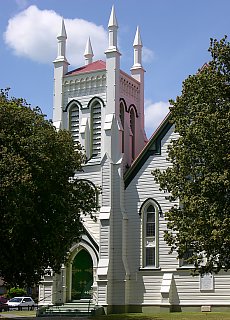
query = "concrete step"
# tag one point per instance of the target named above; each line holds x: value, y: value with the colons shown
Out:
x: 77, y: 308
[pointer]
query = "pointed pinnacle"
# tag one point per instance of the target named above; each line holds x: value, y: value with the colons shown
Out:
x: 63, y: 30
x: 113, y: 19
x: 88, y: 48
x: 137, y: 39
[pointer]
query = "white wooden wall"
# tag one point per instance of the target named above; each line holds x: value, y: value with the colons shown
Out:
x: 145, y: 285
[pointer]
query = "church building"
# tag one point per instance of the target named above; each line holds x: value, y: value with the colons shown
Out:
x: 122, y: 263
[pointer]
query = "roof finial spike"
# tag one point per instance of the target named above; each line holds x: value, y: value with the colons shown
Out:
x: 63, y: 30
x: 113, y: 19
x: 137, y: 46
x: 137, y: 39
x: 88, y: 52
x: 112, y: 27
x: 62, y: 36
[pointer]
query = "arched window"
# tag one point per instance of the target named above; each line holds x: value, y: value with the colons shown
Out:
x: 74, y: 122
x: 150, y: 224
x: 122, y: 118
x: 95, y: 129
x: 132, y: 127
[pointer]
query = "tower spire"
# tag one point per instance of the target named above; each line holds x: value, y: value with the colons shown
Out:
x: 63, y: 30
x: 88, y: 52
x: 62, y: 43
x: 113, y: 19
x: 112, y: 26
x: 137, y: 71
x: 137, y: 45
x: 112, y: 87
x: 60, y: 69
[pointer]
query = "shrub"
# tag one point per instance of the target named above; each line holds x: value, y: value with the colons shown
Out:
x: 16, y: 292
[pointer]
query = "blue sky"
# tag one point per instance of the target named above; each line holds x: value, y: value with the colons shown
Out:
x: 175, y: 35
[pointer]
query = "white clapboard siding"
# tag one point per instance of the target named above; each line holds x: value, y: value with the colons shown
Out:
x: 140, y: 189
x: 104, y: 239
x: 106, y: 184
x: 146, y: 289
x: 93, y: 174
x: 45, y: 294
x: 117, y: 220
x: 145, y: 285
x: 102, y: 292
x: 92, y: 226
x: 188, y: 289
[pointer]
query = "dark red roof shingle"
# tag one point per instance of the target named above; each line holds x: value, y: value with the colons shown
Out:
x: 94, y: 66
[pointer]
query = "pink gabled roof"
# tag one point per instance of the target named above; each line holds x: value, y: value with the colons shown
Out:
x: 94, y: 66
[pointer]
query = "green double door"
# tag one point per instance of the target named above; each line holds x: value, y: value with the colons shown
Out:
x: 82, y: 276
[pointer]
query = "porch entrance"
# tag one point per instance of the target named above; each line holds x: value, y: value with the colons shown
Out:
x: 82, y: 276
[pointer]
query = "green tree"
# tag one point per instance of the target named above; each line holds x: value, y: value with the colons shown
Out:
x: 200, y: 173
x: 16, y: 292
x: 40, y: 204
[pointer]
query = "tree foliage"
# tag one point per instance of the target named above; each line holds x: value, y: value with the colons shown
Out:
x: 40, y: 205
x: 200, y: 173
x: 16, y: 292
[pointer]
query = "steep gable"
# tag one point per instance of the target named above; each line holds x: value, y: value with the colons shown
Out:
x: 152, y: 147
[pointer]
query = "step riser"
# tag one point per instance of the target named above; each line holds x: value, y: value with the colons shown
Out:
x: 80, y: 308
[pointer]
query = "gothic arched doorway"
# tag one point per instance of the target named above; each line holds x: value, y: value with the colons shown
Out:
x: 82, y: 276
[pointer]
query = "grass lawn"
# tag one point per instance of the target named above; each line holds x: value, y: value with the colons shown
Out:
x: 138, y: 316
x: 169, y: 316
x: 23, y: 313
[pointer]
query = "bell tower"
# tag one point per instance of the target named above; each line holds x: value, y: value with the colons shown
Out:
x: 103, y: 108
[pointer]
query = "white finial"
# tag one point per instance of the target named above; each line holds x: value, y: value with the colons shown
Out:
x: 88, y: 52
x: 62, y: 42
x: 137, y: 40
x: 63, y: 30
x: 113, y: 19
x: 112, y: 26
x: 137, y: 45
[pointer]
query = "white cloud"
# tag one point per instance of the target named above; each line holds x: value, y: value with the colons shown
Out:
x: 32, y: 33
x: 154, y: 114
x: 147, y: 55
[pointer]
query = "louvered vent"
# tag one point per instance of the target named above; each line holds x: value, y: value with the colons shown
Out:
x: 74, y: 123
x: 96, y: 130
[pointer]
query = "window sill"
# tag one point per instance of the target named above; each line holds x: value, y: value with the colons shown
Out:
x: 185, y: 267
x: 149, y: 269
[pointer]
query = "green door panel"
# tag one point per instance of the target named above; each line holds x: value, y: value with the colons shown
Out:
x: 82, y: 276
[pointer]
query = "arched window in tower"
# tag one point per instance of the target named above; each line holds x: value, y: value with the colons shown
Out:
x: 132, y: 127
x: 95, y: 129
x: 122, y: 118
x: 74, y: 122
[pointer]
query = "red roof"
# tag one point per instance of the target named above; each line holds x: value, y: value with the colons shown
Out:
x: 94, y: 66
